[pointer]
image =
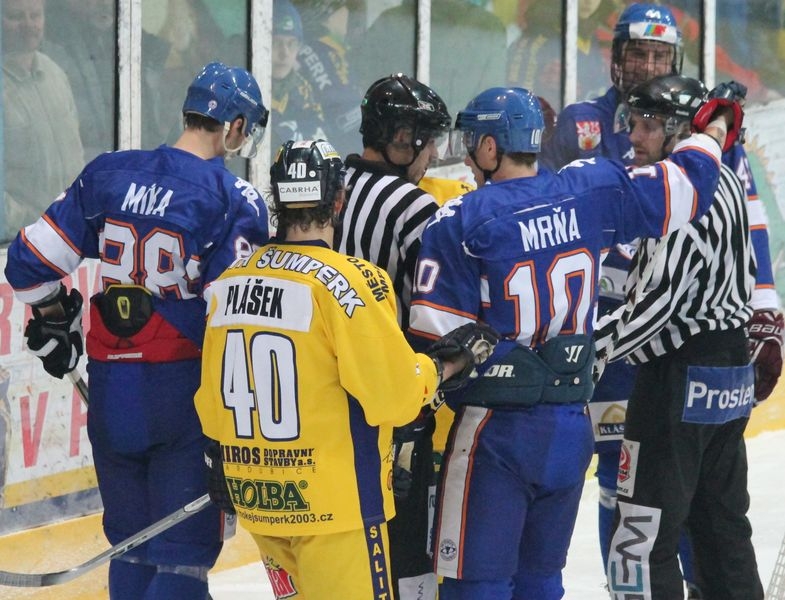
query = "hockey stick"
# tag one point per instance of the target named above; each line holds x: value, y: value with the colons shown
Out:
x: 45, y: 579
x: 776, y: 589
x: 80, y: 385
x: 8, y: 578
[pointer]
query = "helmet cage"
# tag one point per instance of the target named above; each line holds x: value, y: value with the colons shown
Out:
x: 643, y: 22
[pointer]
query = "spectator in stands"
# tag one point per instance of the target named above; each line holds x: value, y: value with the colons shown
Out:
x: 296, y: 114
x: 43, y: 150
x: 81, y: 38
x: 324, y: 63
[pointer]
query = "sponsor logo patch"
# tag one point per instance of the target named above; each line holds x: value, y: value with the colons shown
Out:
x: 607, y: 420
x: 628, y: 465
x: 280, y: 580
x: 717, y: 395
x: 629, y: 572
x: 448, y: 551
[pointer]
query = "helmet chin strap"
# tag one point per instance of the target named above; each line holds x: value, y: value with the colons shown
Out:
x: 403, y: 170
x: 229, y: 151
x: 486, y: 173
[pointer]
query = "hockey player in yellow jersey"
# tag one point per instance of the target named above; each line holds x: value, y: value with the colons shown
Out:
x: 305, y: 373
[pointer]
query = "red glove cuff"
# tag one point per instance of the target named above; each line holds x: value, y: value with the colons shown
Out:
x: 705, y: 115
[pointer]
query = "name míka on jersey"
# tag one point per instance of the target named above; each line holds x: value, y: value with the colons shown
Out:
x: 254, y: 298
x: 559, y: 227
x: 329, y: 276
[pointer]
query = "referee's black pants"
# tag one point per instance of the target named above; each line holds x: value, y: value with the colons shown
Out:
x: 678, y: 474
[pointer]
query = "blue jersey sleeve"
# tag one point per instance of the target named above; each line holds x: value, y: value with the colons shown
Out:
x: 444, y: 298
x: 765, y: 295
x: 49, y: 249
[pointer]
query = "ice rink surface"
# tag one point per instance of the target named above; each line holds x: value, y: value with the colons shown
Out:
x: 583, y: 577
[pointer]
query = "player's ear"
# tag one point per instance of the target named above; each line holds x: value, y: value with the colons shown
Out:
x: 489, y: 143
x: 340, y: 196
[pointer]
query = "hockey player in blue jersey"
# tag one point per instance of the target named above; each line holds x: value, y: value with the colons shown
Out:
x: 648, y: 43
x: 163, y: 224
x: 522, y: 254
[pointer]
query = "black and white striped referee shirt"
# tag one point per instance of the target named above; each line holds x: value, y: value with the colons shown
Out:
x: 382, y: 222
x: 699, y: 278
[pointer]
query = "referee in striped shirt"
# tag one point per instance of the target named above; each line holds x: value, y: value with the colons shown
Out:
x: 683, y: 460
x: 384, y: 216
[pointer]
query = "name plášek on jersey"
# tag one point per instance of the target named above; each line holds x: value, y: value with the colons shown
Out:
x: 264, y: 297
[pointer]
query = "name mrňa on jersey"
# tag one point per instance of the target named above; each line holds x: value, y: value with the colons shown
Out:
x: 558, y: 227
x: 146, y: 200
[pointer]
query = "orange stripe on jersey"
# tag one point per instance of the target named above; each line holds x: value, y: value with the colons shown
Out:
x: 446, y: 309
x: 666, y: 184
x: 62, y: 234
x: 700, y: 149
x: 465, y: 501
x: 40, y: 256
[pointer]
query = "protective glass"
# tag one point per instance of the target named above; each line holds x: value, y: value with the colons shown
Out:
x: 462, y: 142
x: 440, y: 139
x: 252, y: 141
x: 621, y: 119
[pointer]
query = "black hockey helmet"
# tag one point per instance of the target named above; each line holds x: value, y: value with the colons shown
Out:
x: 398, y: 101
x: 673, y: 98
x: 306, y: 174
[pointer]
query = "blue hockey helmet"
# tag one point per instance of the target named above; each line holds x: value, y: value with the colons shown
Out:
x: 644, y: 22
x: 512, y: 116
x: 225, y: 93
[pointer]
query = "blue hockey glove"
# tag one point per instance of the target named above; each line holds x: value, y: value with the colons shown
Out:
x: 472, y: 343
x: 57, y: 340
x: 216, y: 481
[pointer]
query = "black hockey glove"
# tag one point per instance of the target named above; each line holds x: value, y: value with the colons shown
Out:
x: 402, y: 481
x: 472, y: 342
x: 732, y: 95
x: 57, y: 340
x: 765, y: 340
x: 405, y: 449
x: 216, y: 482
